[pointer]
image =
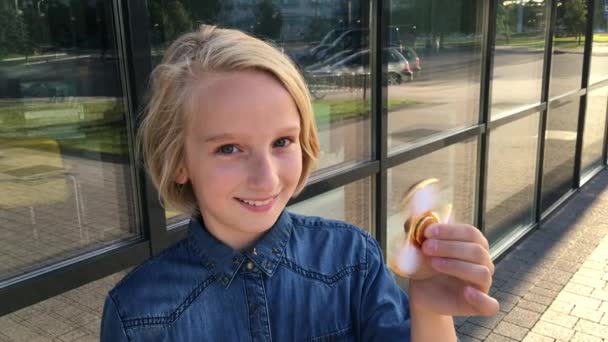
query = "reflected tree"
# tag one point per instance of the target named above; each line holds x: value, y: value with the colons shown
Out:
x: 269, y: 20
x: 573, y: 17
x: 14, y: 38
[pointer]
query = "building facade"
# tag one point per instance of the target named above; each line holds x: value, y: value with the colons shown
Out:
x: 503, y: 101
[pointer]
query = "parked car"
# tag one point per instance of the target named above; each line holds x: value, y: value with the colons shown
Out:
x: 357, y: 64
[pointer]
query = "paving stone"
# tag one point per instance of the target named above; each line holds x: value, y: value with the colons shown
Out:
x: 489, y: 322
x: 591, y: 328
x: 465, y: 338
x: 591, y: 273
x: 511, y: 330
x: 537, y: 298
x: 588, y: 314
x: 582, y: 337
x: 579, y: 289
x: 498, y: 338
x: 560, y: 306
x: 553, y: 331
x: 474, y: 330
x: 579, y: 300
x: 534, y: 337
x: 544, y: 292
x: 559, y: 318
x: 522, y: 317
x: 532, y: 306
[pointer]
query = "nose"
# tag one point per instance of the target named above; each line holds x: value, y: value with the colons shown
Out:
x: 263, y: 173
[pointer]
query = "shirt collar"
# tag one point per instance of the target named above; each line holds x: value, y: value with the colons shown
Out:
x: 225, y: 262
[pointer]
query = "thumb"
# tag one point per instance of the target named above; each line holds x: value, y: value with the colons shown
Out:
x: 483, y: 304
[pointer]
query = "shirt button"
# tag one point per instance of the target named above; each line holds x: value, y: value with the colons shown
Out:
x: 249, y: 266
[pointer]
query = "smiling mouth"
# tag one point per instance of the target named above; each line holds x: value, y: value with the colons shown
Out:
x: 257, y: 203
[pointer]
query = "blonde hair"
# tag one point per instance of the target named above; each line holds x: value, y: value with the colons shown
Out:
x: 207, y: 50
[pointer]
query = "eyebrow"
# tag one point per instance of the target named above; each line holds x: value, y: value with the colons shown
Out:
x: 228, y: 136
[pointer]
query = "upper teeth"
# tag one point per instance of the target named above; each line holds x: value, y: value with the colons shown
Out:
x: 257, y: 203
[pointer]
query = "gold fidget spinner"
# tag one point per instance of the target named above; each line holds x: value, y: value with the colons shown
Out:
x: 421, y: 196
x: 422, y: 205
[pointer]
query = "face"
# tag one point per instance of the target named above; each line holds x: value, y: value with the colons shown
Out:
x: 242, y: 154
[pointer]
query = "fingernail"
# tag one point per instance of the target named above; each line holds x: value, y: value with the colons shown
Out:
x: 472, y: 293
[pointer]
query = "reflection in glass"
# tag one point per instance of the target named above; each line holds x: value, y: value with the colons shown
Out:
x: 65, y: 172
x: 518, y: 55
x: 511, y: 177
x: 453, y: 166
x: 438, y: 89
x: 351, y: 203
x: 560, y: 144
x: 599, y: 57
x: 593, y: 134
x: 568, y: 46
x: 329, y: 42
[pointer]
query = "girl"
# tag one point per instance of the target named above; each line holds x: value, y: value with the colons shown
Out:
x: 229, y: 138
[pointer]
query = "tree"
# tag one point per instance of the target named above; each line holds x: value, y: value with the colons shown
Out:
x: 269, y: 20
x: 574, y: 17
x: 14, y: 37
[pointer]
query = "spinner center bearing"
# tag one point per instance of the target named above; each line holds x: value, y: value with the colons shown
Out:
x: 415, y: 226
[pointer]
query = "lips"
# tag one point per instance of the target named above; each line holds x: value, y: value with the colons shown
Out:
x: 258, y: 205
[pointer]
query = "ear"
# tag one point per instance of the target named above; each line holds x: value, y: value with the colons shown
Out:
x: 181, y: 176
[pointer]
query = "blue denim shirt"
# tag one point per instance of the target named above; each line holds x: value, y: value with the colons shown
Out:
x: 307, y: 279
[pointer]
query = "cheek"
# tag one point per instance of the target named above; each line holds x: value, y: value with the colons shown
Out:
x: 291, y: 167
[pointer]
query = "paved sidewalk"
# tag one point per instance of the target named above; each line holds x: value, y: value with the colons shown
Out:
x: 553, y: 286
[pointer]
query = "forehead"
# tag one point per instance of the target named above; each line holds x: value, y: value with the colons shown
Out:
x: 249, y: 100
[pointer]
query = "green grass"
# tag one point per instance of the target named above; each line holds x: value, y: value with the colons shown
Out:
x: 100, y: 126
x: 328, y: 111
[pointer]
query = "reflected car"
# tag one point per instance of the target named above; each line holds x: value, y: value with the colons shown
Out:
x: 357, y: 64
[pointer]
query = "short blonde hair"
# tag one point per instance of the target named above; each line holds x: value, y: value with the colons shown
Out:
x: 207, y: 50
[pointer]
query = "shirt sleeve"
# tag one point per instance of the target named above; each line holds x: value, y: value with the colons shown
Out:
x: 385, y: 312
x: 112, y: 329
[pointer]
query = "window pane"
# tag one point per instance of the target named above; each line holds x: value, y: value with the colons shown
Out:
x: 437, y: 89
x: 599, y: 57
x: 454, y: 167
x: 595, y: 123
x: 560, y: 143
x: 328, y: 40
x: 518, y: 55
x: 65, y: 171
x: 71, y: 316
x: 351, y: 203
x: 568, y: 46
x: 511, y: 177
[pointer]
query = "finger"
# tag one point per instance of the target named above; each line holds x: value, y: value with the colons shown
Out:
x: 483, y: 304
x: 456, y: 232
x: 465, y: 251
x: 475, y: 274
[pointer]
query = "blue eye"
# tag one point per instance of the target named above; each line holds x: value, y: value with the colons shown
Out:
x: 282, y: 142
x: 227, y: 149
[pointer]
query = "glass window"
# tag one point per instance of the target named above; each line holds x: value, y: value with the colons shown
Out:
x: 434, y: 86
x: 599, y: 57
x: 560, y: 144
x: 568, y: 46
x: 511, y: 177
x: 593, y: 135
x: 455, y: 168
x: 352, y: 203
x: 320, y: 36
x: 65, y: 172
x: 518, y: 54
x: 71, y: 316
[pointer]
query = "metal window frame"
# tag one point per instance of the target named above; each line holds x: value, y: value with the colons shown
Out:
x: 136, y: 47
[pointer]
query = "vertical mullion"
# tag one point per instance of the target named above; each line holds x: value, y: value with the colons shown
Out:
x: 140, y: 66
x: 485, y: 101
x: 551, y: 11
x: 379, y: 11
